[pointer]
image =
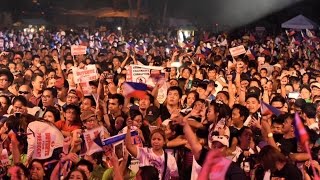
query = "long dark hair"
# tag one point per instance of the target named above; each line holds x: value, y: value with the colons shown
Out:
x: 82, y: 173
x: 269, y: 155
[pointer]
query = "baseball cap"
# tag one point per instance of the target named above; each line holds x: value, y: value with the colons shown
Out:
x: 87, y: 114
x: 75, y: 92
x: 316, y: 85
x: 253, y: 92
x: 222, y: 139
x: 152, y: 114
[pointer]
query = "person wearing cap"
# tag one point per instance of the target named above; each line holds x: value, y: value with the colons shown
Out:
x: 253, y: 99
x: 315, y: 89
x: 62, y: 87
x: 218, y: 142
x: 89, y: 119
x: 74, y: 96
x: 6, y: 79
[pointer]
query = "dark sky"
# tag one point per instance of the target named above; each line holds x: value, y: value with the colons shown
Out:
x: 222, y: 12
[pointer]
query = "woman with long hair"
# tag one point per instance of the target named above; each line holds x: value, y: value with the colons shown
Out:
x: 154, y: 156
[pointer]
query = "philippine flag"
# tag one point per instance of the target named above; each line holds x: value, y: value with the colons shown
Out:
x: 299, y: 130
x: 267, y: 109
x: 133, y: 89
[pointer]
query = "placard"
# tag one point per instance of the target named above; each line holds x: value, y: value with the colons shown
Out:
x: 78, y: 50
x: 236, y: 51
x: 141, y: 74
x: 89, y: 73
x: 44, y: 145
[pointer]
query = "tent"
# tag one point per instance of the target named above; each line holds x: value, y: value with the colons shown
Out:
x: 299, y: 22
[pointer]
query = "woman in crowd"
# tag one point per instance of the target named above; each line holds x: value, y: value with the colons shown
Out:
x: 155, y: 156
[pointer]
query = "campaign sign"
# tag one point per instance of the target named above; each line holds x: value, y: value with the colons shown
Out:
x: 236, y: 51
x: 78, y: 50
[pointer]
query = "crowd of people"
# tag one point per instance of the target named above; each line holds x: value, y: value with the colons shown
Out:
x: 203, y: 111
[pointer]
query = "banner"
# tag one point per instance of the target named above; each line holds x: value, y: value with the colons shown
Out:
x: 89, y: 73
x: 44, y: 145
x: 141, y: 74
x: 78, y: 50
x: 236, y: 51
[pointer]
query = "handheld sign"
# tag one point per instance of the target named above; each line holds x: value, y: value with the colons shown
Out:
x: 141, y: 74
x: 236, y: 51
x: 78, y: 50
x: 89, y: 73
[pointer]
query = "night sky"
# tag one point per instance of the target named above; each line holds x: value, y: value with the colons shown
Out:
x: 223, y: 12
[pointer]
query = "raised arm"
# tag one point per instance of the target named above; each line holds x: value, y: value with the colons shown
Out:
x: 195, y: 145
x: 130, y: 147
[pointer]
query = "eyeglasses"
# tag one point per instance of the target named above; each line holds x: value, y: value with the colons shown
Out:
x: 90, y: 120
x: 23, y: 92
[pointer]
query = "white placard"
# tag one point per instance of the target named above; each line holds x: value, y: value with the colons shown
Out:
x: 78, y: 50
x: 236, y: 51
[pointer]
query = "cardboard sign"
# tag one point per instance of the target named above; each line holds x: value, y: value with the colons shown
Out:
x: 236, y: 51
x: 141, y: 74
x: 134, y: 165
x: 44, y: 145
x: 78, y: 50
x: 89, y: 73
x: 4, y: 157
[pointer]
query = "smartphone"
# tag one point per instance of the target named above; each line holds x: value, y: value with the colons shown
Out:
x: 255, y: 115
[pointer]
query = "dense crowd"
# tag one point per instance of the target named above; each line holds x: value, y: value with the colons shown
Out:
x: 203, y: 112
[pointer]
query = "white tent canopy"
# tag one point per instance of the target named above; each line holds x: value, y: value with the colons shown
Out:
x: 299, y: 22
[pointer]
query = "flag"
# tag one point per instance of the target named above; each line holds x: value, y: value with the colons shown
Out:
x: 309, y: 33
x: 299, y: 130
x: 292, y: 32
x: 133, y: 89
x: 311, y: 48
x: 264, y: 51
x: 140, y: 50
x: 250, y: 55
x: 93, y: 141
x: 215, y: 166
x: 267, y: 109
x: 224, y: 43
x: 287, y: 33
x: 295, y: 42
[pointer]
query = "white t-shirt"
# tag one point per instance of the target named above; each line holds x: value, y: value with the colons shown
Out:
x: 148, y: 158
